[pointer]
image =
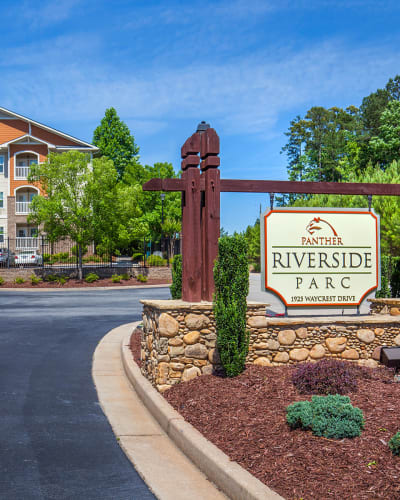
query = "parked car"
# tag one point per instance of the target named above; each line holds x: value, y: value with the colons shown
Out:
x: 28, y: 257
x: 6, y: 257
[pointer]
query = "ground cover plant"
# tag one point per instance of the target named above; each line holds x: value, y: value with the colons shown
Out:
x: 394, y: 444
x: 330, y: 416
x: 328, y: 376
x: 1, y: 281
x: 35, y: 280
x: 231, y: 276
x: 19, y: 280
x: 141, y: 278
x: 91, y: 277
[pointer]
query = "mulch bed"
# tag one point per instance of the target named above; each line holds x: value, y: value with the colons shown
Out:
x: 72, y: 283
x: 245, y: 417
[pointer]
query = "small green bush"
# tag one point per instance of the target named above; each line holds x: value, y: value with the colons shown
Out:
x: 231, y: 276
x: 156, y: 261
x: 51, y: 277
x: 394, y: 444
x: 75, y: 250
x: 61, y: 280
x: 91, y: 277
x: 1, y: 281
x: 137, y: 256
x: 46, y: 258
x: 35, y: 279
x: 19, y: 280
x: 176, y: 287
x: 330, y: 416
x: 125, y: 276
x: 116, y: 278
x: 141, y: 278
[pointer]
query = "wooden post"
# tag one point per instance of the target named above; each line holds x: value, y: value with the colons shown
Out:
x: 210, y: 216
x: 191, y: 235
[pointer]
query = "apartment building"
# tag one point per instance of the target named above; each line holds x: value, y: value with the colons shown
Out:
x: 23, y: 142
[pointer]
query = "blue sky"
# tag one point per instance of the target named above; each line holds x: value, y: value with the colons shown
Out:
x: 246, y: 67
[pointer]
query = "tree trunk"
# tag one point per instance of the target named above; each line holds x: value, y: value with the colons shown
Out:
x: 80, y: 267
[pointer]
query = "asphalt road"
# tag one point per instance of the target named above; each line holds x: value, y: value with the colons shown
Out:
x: 55, y: 442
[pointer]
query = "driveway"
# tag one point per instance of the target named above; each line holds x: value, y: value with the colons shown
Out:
x: 55, y: 442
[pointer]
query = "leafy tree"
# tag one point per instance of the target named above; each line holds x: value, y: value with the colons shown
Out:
x: 388, y: 207
x: 115, y: 141
x: 85, y: 202
x: 252, y: 235
x: 386, y: 146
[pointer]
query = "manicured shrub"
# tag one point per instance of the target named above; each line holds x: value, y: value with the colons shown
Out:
x: 35, y: 279
x: 1, y: 281
x: 125, y: 276
x: 328, y: 376
x: 394, y: 444
x: 116, y: 278
x: 231, y: 276
x: 91, y: 277
x: 156, y: 261
x: 19, y: 280
x: 141, y: 278
x: 176, y: 287
x: 333, y: 417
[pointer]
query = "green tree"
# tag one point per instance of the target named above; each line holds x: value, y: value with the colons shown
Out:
x: 386, y: 146
x: 115, y: 141
x: 388, y: 207
x: 85, y: 202
x: 252, y: 235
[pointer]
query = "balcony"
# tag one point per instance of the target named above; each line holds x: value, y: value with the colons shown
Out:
x: 27, y: 243
x: 22, y: 207
x: 21, y: 172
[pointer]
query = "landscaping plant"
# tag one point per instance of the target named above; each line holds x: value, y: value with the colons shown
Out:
x: 141, y: 278
x: 91, y: 277
x: 331, y: 416
x: 1, y: 281
x: 231, y: 276
x: 328, y: 376
x: 156, y: 261
x: 116, y: 278
x: 35, y: 279
x: 176, y: 287
x: 394, y: 444
x: 19, y: 280
x: 125, y: 276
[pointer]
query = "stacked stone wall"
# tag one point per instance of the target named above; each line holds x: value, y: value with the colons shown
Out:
x: 179, y: 340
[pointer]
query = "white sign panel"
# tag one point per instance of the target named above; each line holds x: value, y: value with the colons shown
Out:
x: 320, y: 257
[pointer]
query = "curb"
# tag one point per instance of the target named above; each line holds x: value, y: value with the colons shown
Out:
x: 85, y: 288
x: 228, y: 476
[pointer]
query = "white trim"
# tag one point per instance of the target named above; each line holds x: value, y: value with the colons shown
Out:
x: 29, y: 186
x: 41, y: 141
x: 50, y: 129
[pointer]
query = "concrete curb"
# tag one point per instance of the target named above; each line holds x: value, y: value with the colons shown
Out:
x: 228, y: 476
x: 84, y: 288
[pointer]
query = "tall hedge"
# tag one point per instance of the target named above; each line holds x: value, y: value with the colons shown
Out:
x: 231, y: 276
x: 390, y: 277
x: 176, y: 287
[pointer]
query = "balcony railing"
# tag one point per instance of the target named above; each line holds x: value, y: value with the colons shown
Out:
x: 22, y: 207
x: 27, y: 243
x: 21, y: 172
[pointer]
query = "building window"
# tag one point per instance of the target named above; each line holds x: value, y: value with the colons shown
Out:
x: 1, y: 234
x: 1, y: 164
x: 1, y: 200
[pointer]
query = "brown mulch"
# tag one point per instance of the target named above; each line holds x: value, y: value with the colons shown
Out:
x: 245, y: 417
x: 72, y: 283
x: 135, y: 347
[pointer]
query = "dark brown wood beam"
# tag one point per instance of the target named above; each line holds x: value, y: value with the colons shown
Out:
x: 262, y: 186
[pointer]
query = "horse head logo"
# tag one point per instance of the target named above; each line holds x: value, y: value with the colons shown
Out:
x: 317, y: 224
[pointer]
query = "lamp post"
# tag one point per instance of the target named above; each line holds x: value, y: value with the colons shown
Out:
x: 162, y: 220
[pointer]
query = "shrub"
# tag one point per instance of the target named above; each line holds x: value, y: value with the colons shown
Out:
x: 125, y: 276
x: 19, y: 280
x: 156, y: 261
x: 176, y: 287
x: 231, y: 276
x: 116, y: 278
x: 1, y: 281
x: 46, y: 258
x: 328, y: 376
x: 61, y: 280
x: 394, y: 444
x: 51, y: 277
x: 137, y: 256
x: 35, y: 279
x: 91, y: 277
x: 141, y: 278
x: 331, y: 416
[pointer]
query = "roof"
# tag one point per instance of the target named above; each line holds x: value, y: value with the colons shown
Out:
x: 84, y: 145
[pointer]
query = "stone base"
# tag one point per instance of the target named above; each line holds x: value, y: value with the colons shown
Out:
x: 179, y: 339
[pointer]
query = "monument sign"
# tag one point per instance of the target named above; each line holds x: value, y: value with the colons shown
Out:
x: 319, y: 256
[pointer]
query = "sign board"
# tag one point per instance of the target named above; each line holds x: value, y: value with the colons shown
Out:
x: 319, y: 256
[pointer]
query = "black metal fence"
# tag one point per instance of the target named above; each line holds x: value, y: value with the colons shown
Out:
x: 39, y: 252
